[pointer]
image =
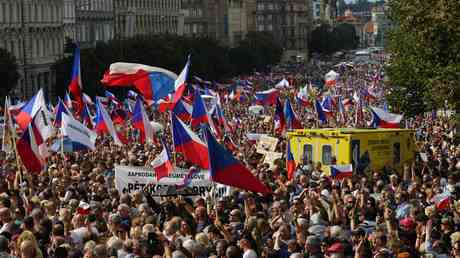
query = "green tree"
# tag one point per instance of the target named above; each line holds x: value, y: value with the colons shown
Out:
x: 327, y: 39
x: 8, y: 72
x: 425, y: 46
x: 256, y: 51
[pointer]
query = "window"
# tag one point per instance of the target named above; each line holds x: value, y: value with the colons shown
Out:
x: 327, y: 154
x: 307, y: 153
x: 396, y: 153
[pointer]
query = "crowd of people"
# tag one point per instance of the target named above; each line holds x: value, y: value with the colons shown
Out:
x: 73, y: 210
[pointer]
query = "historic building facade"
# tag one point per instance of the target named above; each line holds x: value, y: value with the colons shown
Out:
x: 289, y: 21
x: 227, y: 21
x: 147, y: 17
x: 94, y: 20
x: 32, y: 30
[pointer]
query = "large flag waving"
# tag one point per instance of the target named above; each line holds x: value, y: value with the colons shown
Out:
x: 290, y: 162
x: 75, y: 86
x: 162, y: 164
x: 104, y: 123
x: 267, y: 97
x: 340, y: 172
x: 152, y: 82
x: 29, y: 110
x: 28, y: 149
x: 383, y: 119
x: 227, y: 170
x: 78, y: 133
x: 189, y: 144
x: 199, y: 113
x: 60, y: 109
x: 180, y: 83
x: 321, y: 114
x: 292, y: 122
x: 280, y: 120
x: 141, y: 121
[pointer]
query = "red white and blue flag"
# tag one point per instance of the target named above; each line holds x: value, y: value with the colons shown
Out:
x: 341, y: 171
x: 141, y: 122
x: 60, y: 108
x: 189, y: 144
x: 292, y: 122
x: 267, y: 97
x: 28, y: 149
x: 290, y: 162
x: 104, y: 124
x: 183, y: 110
x: 162, y: 164
x: 321, y: 114
x: 199, y: 113
x: 227, y: 170
x: 180, y: 83
x: 280, y: 120
x: 153, y: 83
x: 75, y: 86
x: 383, y: 119
x: 30, y: 109
x: 442, y: 200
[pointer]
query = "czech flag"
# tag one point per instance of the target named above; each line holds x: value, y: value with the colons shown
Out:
x: 180, y: 83
x: 28, y: 149
x: 189, y: 144
x: 75, y: 86
x: 292, y: 122
x: 280, y: 120
x: 340, y: 172
x: 86, y: 117
x: 29, y: 110
x: 162, y: 164
x: 183, y: 110
x: 328, y: 105
x: 331, y: 78
x: 112, y: 98
x: 442, y: 201
x: 267, y: 97
x: 383, y: 119
x: 87, y: 99
x: 290, y: 162
x: 141, y: 122
x: 105, y: 125
x: 60, y: 108
x: 152, y: 82
x: 68, y: 101
x: 227, y: 170
x: 199, y: 113
x: 321, y: 114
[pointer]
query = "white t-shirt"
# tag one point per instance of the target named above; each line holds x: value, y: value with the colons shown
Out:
x: 250, y: 254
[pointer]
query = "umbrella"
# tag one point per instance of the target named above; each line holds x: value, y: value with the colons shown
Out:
x: 173, y: 190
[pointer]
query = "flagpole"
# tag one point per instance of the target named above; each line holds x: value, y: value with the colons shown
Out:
x: 172, y: 135
x: 8, y: 126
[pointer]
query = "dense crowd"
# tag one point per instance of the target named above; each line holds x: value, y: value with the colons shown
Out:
x: 384, y: 213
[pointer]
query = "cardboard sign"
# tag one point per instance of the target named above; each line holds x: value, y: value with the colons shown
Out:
x: 266, y: 144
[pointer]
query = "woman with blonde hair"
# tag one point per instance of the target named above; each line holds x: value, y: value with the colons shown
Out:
x: 25, y: 243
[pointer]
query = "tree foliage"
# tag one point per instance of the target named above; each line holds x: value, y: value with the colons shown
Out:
x: 425, y: 45
x: 8, y: 72
x: 327, y: 39
x: 210, y: 60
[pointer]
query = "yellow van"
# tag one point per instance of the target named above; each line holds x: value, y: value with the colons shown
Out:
x: 392, y: 147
